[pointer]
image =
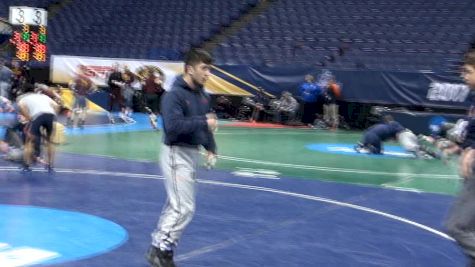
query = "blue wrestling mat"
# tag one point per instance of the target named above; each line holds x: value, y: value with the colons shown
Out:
x: 348, y: 149
x: 240, y: 221
x: 30, y: 235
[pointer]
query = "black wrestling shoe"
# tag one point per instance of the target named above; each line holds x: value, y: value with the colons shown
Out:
x: 25, y: 169
x: 49, y: 169
x: 159, y: 258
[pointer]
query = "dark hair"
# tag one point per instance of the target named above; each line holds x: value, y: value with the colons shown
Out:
x: 469, y: 58
x: 196, y: 56
x: 28, y: 88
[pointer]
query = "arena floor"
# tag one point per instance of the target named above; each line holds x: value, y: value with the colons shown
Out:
x: 277, y: 197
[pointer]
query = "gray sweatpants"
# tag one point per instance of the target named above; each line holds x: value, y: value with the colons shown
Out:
x: 461, y: 221
x: 179, y: 169
x: 330, y: 114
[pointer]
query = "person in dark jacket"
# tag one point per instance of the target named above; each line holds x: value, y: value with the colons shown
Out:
x: 374, y: 137
x: 461, y: 220
x: 116, y: 83
x: 188, y: 125
x: 330, y: 107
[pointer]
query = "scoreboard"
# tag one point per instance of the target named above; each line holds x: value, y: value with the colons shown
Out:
x: 29, y: 36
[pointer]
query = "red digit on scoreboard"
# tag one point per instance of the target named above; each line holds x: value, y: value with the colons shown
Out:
x: 34, y: 38
x: 16, y: 38
x: 41, y: 48
x: 40, y: 52
x: 25, y: 47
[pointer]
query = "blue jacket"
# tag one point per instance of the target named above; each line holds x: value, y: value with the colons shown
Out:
x: 309, y: 92
x: 184, y: 117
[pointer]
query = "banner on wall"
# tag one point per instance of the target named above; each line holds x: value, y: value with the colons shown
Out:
x: 63, y: 69
x: 378, y: 87
x: 405, y: 88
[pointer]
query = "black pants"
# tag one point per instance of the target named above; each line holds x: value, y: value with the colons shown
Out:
x: 372, y: 142
x: 44, y: 121
x: 309, y: 110
x: 153, y: 102
x: 461, y: 221
x: 116, y: 97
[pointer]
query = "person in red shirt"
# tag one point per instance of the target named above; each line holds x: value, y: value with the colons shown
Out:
x: 153, y: 90
x: 81, y: 87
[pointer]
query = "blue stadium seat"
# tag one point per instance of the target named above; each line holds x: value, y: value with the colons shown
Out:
x: 177, y: 25
x: 379, y: 34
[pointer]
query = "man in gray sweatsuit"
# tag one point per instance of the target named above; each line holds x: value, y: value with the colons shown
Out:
x: 461, y: 219
x: 188, y: 125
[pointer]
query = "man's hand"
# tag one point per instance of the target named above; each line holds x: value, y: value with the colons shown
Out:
x: 210, y: 160
x: 466, y: 163
x: 212, y: 121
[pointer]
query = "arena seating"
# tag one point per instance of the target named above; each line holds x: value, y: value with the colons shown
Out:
x: 406, y: 35
x: 140, y: 29
x: 382, y: 35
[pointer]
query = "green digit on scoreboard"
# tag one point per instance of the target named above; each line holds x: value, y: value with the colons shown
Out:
x: 42, y: 38
x: 26, y: 36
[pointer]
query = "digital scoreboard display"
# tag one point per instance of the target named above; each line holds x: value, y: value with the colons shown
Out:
x: 29, y: 36
x: 30, y: 43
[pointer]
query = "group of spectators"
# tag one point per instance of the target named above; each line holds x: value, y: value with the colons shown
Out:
x: 282, y: 110
x: 125, y: 85
x: 127, y: 91
x: 314, y: 96
x: 35, y: 107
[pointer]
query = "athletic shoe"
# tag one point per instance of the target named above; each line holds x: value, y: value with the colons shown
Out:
x: 358, y: 147
x: 25, y: 169
x: 123, y: 116
x: 159, y: 258
x: 49, y: 169
x: 111, y: 118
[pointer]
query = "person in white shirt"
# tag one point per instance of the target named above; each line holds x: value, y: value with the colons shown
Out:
x: 40, y: 112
